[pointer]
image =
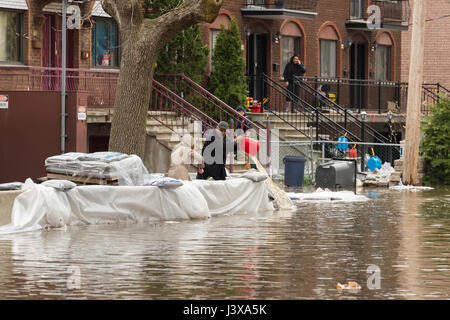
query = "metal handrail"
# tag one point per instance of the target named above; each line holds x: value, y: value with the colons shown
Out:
x: 311, y: 114
x: 375, y: 134
x: 231, y: 112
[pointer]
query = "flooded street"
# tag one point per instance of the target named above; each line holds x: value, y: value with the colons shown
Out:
x: 300, y: 255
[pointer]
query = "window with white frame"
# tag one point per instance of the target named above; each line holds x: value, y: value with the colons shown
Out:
x: 328, y: 58
x: 356, y: 9
x: 383, y: 63
x: 105, y: 43
x: 11, y: 44
x: 289, y: 47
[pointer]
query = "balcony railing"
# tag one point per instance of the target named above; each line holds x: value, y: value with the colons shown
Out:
x: 393, y: 13
x: 282, y: 4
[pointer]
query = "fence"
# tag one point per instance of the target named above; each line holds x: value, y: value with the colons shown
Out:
x: 99, y: 84
x: 319, y: 152
x: 357, y: 95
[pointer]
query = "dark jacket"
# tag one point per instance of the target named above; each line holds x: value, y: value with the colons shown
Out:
x: 297, y: 70
x: 242, y: 125
x: 214, y: 152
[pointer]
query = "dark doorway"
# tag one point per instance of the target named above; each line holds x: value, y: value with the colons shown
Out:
x: 358, y: 66
x: 257, y: 65
x: 98, y: 143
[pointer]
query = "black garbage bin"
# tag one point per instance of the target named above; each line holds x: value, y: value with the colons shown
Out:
x: 336, y: 175
x: 294, y: 170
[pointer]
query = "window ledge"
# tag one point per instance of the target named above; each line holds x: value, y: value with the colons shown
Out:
x: 12, y: 65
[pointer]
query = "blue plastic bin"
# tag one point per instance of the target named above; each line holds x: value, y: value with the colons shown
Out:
x: 294, y: 170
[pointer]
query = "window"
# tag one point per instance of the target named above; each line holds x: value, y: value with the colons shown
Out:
x: 356, y: 9
x: 383, y: 67
x: 328, y: 58
x: 105, y: 43
x: 213, y: 33
x: 10, y: 36
x: 289, y: 47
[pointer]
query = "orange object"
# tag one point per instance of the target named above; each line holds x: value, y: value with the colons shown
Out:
x: 353, y: 152
x: 249, y: 146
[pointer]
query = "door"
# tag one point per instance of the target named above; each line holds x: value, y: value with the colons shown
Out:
x: 52, y: 52
x: 358, y: 67
x: 257, y: 65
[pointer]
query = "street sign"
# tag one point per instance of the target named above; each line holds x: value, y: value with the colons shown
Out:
x: 4, y: 101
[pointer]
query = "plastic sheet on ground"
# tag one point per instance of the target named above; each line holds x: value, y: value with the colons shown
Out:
x: 128, y: 169
x: 383, y: 173
x: 41, y: 207
x: 321, y: 195
x: 402, y: 187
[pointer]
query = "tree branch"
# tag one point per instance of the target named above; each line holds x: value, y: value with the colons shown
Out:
x: 125, y: 12
x: 186, y: 14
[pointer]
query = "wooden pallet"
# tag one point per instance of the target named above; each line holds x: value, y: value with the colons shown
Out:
x: 83, y: 180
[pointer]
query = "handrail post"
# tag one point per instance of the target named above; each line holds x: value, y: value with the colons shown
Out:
x: 232, y: 154
x: 317, y: 124
x: 379, y: 96
x: 315, y: 95
x: 345, y: 118
x: 363, y: 152
x: 262, y: 91
x: 338, y: 91
x: 268, y: 144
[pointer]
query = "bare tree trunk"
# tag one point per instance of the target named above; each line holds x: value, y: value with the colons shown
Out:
x: 142, y: 40
x: 132, y: 101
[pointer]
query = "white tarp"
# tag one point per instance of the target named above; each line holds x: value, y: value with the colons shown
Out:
x: 327, y: 195
x: 128, y: 169
x: 40, y: 206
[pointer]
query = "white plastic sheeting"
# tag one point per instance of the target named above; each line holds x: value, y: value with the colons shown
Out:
x: 327, y: 195
x: 41, y: 207
x: 129, y: 169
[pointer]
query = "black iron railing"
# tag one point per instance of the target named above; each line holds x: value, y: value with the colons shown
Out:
x: 391, y: 12
x: 282, y: 4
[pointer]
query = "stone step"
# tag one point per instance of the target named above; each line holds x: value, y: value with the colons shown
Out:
x: 396, y: 176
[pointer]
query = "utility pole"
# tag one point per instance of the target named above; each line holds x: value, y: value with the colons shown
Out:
x: 63, y: 76
x: 410, y: 161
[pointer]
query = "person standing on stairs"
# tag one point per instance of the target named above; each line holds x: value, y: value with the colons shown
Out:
x: 294, y: 68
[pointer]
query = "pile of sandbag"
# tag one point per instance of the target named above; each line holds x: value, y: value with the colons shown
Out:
x: 127, y: 169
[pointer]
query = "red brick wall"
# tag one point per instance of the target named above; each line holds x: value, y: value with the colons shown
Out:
x: 437, y: 45
x: 335, y: 12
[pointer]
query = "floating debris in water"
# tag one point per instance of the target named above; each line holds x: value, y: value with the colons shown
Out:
x: 352, y: 287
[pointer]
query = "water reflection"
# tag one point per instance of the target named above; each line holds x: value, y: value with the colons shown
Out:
x: 299, y: 255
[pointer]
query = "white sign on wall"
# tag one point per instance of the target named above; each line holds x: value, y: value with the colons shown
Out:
x: 4, y: 101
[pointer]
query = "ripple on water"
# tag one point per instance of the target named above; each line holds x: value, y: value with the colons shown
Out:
x: 267, y: 256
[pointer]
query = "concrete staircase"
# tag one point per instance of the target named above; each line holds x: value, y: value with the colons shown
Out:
x: 169, y: 138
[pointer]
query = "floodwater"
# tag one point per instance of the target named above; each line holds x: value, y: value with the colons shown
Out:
x: 300, y: 255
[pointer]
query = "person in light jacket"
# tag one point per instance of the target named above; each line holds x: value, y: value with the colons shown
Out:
x: 184, y: 155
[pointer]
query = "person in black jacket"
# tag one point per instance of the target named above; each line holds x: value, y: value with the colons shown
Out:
x: 294, y: 68
x: 215, y: 151
x: 242, y: 125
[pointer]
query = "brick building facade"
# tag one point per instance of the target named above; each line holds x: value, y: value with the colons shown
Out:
x: 437, y: 46
x: 332, y: 37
